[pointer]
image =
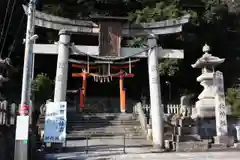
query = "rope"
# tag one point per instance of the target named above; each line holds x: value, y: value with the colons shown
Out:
x: 4, y: 21
x: 74, y: 49
x: 92, y: 63
x: 105, y: 58
x: 17, y: 33
x: 8, y: 26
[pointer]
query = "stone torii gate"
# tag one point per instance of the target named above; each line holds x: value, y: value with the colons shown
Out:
x: 153, y: 53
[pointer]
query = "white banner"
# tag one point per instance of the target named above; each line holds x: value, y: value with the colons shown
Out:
x: 55, y: 122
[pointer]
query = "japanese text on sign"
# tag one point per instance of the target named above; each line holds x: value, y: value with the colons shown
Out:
x: 55, y: 122
x: 220, y: 108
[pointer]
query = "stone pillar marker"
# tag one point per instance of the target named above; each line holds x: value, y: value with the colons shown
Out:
x: 220, y: 108
x: 62, y: 66
x: 221, y: 111
x: 155, y: 95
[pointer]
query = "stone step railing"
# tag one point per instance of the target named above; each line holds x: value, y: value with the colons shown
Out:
x: 141, y: 117
x: 141, y: 112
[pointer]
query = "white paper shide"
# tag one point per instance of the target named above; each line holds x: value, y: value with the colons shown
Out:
x: 55, y: 122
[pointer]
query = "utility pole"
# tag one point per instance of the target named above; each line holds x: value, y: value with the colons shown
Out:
x: 21, y: 139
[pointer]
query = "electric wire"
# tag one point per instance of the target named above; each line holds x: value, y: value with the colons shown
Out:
x: 17, y: 33
x: 8, y: 26
x: 4, y: 21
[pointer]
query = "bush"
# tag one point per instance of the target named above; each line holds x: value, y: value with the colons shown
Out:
x: 42, y: 88
x: 233, y: 99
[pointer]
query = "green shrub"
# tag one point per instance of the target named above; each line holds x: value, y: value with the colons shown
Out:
x: 233, y: 99
x: 42, y: 88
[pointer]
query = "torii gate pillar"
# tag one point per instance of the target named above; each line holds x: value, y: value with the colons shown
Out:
x: 62, y: 66
x: 155, y: 95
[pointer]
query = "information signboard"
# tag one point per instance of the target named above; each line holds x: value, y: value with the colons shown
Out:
x: 55, y: 122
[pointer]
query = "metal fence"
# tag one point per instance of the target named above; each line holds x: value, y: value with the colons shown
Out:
x: 7, y: 113
x: 7, y: 129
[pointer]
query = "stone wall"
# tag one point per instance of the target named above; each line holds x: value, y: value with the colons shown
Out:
x: 7, y: 130
x: 3, y: 147
x: 207, y: 126
x: 7, y: 136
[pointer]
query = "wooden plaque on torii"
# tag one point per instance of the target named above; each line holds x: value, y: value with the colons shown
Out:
x: 110, y: 34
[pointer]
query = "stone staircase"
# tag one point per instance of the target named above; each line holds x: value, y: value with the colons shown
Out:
x: 107, y: 125
x: 84, y: 125
x: 185, y: 137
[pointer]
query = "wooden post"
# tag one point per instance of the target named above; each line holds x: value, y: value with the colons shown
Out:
x: 122, y: 93
x: 84, y: 83
x: 123, y: 100
x: 81, y: 99
x: 83, y: 90
x: 82, y: 93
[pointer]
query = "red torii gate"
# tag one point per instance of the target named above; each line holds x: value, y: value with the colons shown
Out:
x: 121, y: 75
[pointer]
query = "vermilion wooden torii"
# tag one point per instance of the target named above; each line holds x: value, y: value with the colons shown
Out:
x: 121, y: 75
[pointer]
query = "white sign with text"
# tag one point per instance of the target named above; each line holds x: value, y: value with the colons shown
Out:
x: 55, y: 122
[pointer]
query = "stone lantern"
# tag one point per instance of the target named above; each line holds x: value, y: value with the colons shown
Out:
x: 205, y: 106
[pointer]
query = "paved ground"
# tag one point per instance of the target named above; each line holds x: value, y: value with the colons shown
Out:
x: 102, y: 149
x: 151, y: 156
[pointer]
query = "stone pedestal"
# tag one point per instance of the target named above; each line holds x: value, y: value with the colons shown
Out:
x: 186, y: 131
x: 187, y: 138
x: 237, y: 145
x: 204, y: 108
x: 228, y: 140
x: 200, y: 146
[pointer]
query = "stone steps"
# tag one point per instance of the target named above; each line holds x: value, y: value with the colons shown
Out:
x: 103, y: 125
x: 93, y: 123
x: 109, y: 129
x: 104, y: 135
